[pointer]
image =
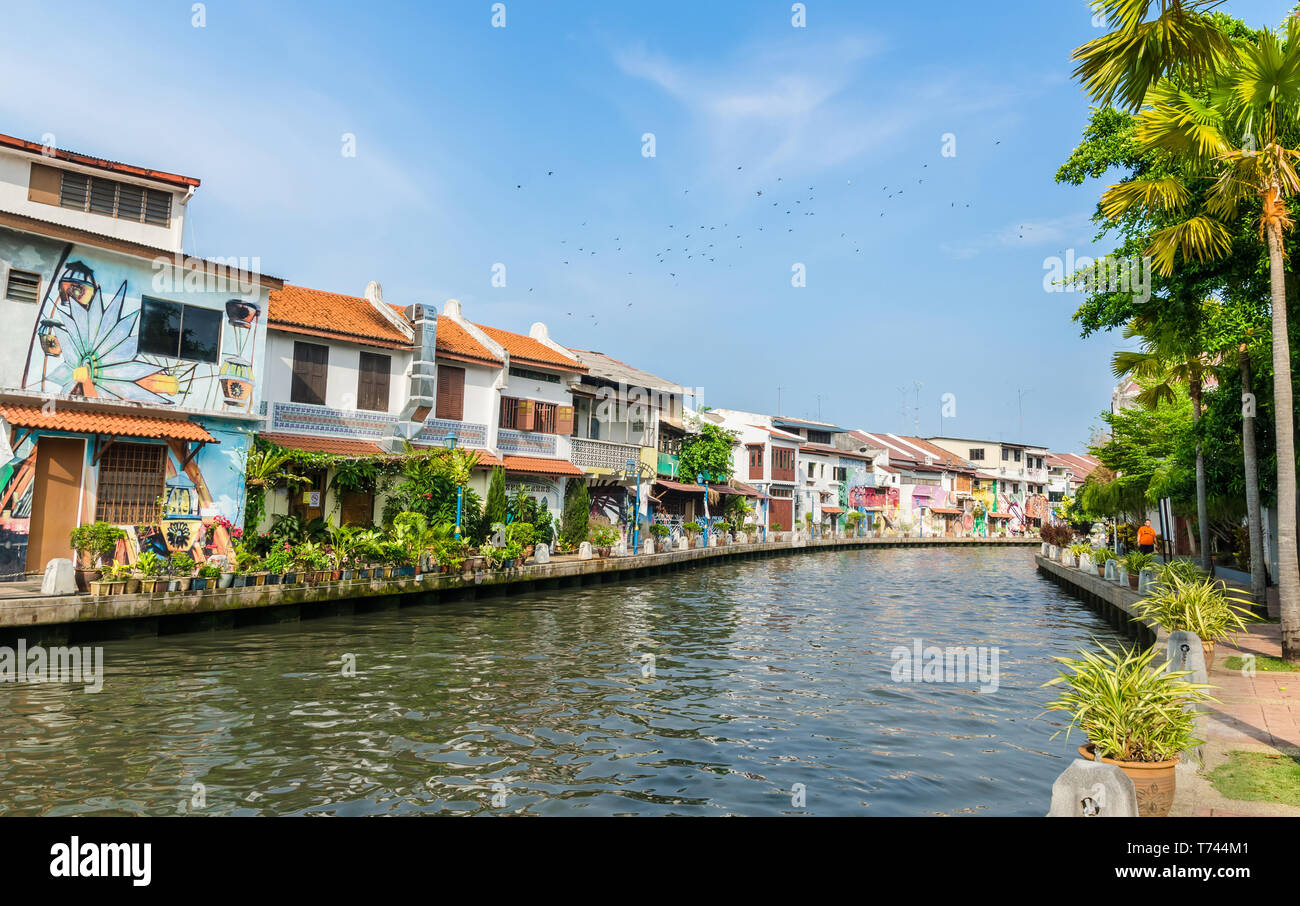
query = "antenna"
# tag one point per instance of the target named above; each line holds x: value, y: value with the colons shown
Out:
x: 1020, y: 405
x: 916, y: 409
x: 902, y: 406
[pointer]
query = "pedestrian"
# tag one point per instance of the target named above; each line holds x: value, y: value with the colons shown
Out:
x: 1146, y: 538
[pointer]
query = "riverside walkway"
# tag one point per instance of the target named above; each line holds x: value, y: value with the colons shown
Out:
x: 80, y: 618
x: 1257, y: 713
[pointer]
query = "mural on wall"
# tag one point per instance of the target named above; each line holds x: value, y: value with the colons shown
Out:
x: 610, y: 501
x: 16, y: 482
x: 85, y: 343
x: 547, y: 492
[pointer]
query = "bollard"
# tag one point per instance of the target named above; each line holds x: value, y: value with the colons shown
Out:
x: 1093, y: 789
x: 584, y: 550
x: 59, y: 579
x: 1146, y: 579
x: 541, y: 553
x: 1085, y: 563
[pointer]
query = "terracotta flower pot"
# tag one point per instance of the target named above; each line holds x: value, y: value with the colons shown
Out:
x: 1132, y: 581
x: 1154, y: 782
x: 1207, y: 648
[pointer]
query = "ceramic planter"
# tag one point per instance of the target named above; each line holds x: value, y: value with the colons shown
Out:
x: 349, y: 574
x: 199, y: 583
x: 98, y: 587
x: 272, y: 579
x: 153, y: 586
x: 1153, y: 781
x: 1133, y: 581
x: 226, y: 580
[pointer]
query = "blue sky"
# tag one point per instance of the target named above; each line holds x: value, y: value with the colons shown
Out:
x: 523, y: 146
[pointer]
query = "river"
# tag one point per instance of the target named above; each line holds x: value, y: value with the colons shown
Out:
x: 769, y: 692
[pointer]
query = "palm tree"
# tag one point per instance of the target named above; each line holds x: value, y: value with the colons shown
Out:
x: 1258, y: 580
x: 1234, y: 140
x: 1123, y: 65
x: 1165, y: 360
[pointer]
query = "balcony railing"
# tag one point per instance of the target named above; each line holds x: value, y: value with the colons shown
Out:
x: 348, y: 424
x: 527, y: 443
x: 601, y: 454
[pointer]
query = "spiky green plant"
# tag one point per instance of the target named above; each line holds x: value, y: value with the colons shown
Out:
x: 1202, y: 605
x: 1129, y: 708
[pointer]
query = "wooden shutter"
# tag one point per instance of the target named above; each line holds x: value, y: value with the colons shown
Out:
x: 564, y: 420
x: 310, y: 364
x: 451, y: 393
x: 372, y: 381
x: 524, y: 415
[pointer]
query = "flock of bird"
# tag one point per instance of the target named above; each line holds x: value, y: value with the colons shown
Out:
x: 691, y: 243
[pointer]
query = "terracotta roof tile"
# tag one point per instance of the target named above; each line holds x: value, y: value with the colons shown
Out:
x: 108, y: 423
x: 454, y: 340
x: 315, y: 311
x: 526, y: 349
x: 541, y: 466
x: 174, y: 179
x: 312, y: 444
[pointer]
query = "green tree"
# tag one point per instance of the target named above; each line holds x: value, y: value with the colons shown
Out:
x: 707, y: 451
x: 496, y: 510
x: 577, y: 513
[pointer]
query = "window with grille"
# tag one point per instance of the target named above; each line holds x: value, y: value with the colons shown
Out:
x: 532, y: 415
x: 131, y: 479
x: 819, y: 437
x: 23, y: 286
x: 111, y: 198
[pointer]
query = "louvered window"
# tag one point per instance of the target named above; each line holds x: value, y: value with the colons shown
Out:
x: 23, y: 286
x: 372, y: 381
x: 126, y: 201
x: 310, y: 366
x: 451, y: 393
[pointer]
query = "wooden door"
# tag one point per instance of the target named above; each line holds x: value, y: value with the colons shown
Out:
x: 781, y: 510
x: 300, y: 503
x: 356, y: 508
x: 56, y: 499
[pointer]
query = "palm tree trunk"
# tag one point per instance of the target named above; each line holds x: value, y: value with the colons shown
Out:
x: 1202, y: 500
x: 1288, y: 568
x: 1254, y: 521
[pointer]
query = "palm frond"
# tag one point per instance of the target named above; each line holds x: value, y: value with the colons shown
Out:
x: 1201, y: 238
x: 1167, y: 194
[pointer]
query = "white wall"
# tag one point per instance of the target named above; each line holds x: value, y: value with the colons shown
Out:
x: 344, y: 370
x: 15, y: 174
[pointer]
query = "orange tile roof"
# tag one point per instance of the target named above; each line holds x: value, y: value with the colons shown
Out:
x: 324, y: 314
x: 454, y: 341
x: 312, y: 444
x: 109, y: 423
x: 541, y: 466
x: 526, y: 349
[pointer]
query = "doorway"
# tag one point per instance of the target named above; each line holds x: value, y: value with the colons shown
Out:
x: 56, y: 499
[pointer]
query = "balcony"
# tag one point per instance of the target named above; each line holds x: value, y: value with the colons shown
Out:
x: 528, y: 443
x: 602, y: 454
x: 373, y: 427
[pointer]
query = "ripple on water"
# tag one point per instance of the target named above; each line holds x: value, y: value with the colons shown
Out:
x: 766, y: 675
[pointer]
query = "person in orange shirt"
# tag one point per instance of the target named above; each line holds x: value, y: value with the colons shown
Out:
x: 1146, y: 538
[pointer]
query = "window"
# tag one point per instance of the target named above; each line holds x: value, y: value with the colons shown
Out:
x: 976, y: 454
x: 819, y: 437
x: 110, y: 198
x: 131, y: 478
x: 310, y: 365
x: 534, y: 415
x: 451, y: 393
x: 372, y: 381
x: 178, y: 331
x: 1017, y: 455
x: 1006, y: 454
x: 756, y: 457
x: 534, y: 375
x: 23, y: 286
x: 841, y: 473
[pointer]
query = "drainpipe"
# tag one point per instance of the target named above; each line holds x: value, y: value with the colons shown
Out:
x: 423, y: 386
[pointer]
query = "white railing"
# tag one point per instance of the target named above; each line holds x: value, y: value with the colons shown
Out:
x: 602, y: 454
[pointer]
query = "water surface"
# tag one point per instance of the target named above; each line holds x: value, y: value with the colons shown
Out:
x: 767, y: 675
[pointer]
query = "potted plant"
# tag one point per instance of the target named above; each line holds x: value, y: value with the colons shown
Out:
x: 1134, y: 714
x: 602, y: 539
x: 1080, y: 549
x: 207, y: 578
x: 775, y: 529
x: 660, y: 533
x: 110, y: 581
x: 1200, y: 605
x: 1134, y: 562
x: 182, y: 570
x: 95, y: 544
x: 279, y: 565
x: 151, y: 568
x: 854, y: 520
x: 723, y: 529
x: 512, y: 554
x: 1101, y: 556
x: 525, y: 535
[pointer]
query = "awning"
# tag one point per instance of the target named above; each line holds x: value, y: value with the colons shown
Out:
x: 679, y: 486
x: 1000, y: 516
x: 748, y: 490
x: 872, y: 509
x: 66, y: 418
x: 536, y: 466
x: 833, y: 510
x: 947, y: 511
